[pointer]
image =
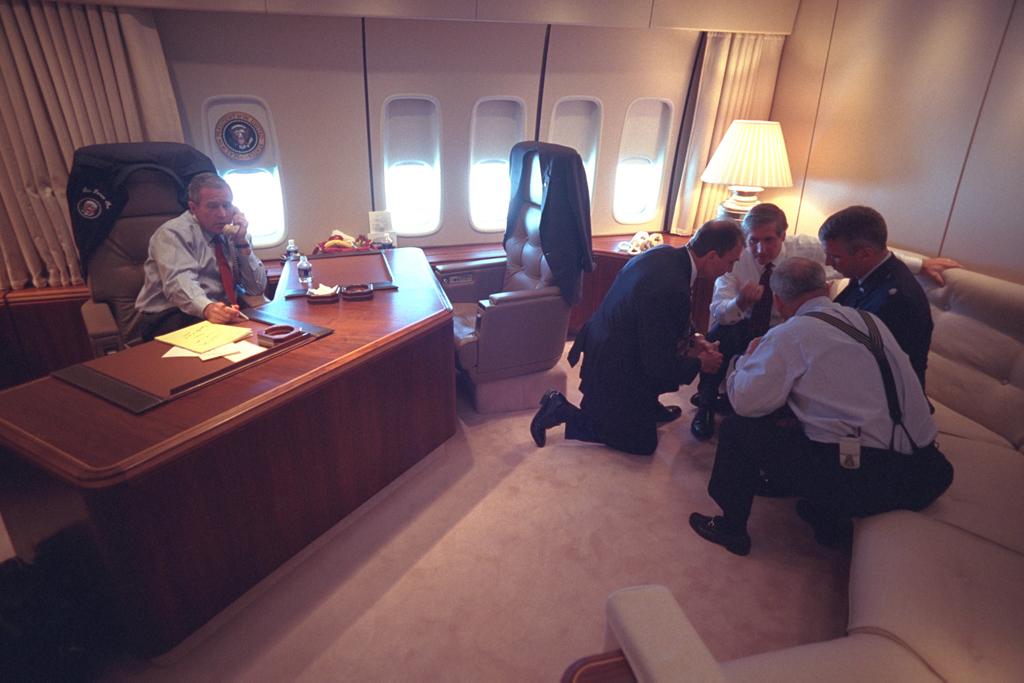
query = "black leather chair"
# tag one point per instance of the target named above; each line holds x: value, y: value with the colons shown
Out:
x: 118, y: 195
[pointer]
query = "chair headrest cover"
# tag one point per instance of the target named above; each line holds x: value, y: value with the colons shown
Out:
x: 565, y: 209
x: 96, y: 185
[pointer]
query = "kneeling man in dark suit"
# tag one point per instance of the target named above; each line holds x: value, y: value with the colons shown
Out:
x: 635, y: 346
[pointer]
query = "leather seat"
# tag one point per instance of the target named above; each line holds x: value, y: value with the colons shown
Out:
x: 512, y: 313
x: 116, y: 269
x: 118, y: 195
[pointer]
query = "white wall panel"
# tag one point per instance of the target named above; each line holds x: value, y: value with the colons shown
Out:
x: 902, y: 91
x: 616, y: 66
x: 740, y: 16
x: 410, y: 9
x: 456, y: 63
x: 622, y: 13
x: 256, y: 6
x: 986, y: 230
x: 309, y: 72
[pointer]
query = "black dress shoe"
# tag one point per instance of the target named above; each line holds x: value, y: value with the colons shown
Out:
x: 667, y: 413
x: 720, y: 403
x: 548, y: 416
x: 710, y: 529
x: 703, y: 425
x: 829, y: 530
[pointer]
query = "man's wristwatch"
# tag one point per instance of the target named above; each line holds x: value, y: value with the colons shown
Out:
x: 243, y: 245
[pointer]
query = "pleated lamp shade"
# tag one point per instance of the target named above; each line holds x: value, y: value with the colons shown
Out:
x: 751, y: 157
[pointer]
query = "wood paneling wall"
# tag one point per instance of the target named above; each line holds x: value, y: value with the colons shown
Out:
x: 41, y: 330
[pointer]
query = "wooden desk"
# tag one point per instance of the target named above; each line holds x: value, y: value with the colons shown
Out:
x: 185, y: 507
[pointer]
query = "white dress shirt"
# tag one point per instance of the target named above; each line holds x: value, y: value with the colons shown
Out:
x: 830, y: 381
x: 181, y: 271
x: 725, y: 309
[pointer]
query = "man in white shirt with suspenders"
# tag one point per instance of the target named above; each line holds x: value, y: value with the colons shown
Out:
x: 858, y: 436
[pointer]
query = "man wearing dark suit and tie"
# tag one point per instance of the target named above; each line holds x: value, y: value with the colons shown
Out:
x: 631, y: 345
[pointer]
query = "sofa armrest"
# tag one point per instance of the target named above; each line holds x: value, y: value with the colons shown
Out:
x: 660, y: 643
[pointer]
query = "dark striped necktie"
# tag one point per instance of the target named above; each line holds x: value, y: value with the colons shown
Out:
x: 226, y: 278
x: 761, y: 315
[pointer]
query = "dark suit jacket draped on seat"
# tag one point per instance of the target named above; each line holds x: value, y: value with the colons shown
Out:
x: 565, y: 218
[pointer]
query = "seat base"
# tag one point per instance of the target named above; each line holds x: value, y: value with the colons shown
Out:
x: 514, y: 393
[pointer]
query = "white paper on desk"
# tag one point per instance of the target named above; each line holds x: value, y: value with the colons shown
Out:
x: 233, y: 352
x: 179, y: 352
x: 244, y: 349
x: 222, y: 350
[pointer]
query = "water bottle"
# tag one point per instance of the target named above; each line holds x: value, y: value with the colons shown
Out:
x: 305, y: 270
x: 291, y: 252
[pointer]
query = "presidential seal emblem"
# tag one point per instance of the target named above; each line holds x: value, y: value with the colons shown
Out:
x: 89, y: 208
x: 240, y: 136
x: 92, y: 203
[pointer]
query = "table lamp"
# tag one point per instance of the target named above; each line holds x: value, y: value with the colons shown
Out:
x: 751, y: 157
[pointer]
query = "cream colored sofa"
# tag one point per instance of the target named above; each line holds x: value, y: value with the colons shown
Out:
x: 935, y: 595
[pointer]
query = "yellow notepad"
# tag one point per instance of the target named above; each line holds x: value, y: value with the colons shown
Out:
x: 204, y: 336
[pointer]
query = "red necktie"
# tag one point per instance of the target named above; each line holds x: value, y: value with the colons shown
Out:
x: 225, y: 271
x: 761, y: 316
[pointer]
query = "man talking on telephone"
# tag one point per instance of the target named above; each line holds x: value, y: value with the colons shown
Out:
x: 199, y: 263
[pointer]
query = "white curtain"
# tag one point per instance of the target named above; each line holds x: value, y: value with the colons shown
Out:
x: 71, y: 75
x: 737, y: 81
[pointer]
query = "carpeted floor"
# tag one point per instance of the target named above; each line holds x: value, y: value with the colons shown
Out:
x: 491, y: 560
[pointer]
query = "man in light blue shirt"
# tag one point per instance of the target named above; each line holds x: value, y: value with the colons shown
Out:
x: 199, y: 262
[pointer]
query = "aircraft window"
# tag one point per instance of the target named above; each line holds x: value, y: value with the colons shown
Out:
x: 489, y: 192
x: 412, y: 163
x: 633, y: 182
x: 413, y: 189
x: 257, y: 192
x: 639, y: 172
x: 576, y: 123
x: 498, y: 124
x: 241, y: 141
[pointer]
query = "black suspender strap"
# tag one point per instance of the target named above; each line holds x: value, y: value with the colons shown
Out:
x: 873, y: 342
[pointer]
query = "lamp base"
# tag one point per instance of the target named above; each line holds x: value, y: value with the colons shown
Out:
x: 743, y: 199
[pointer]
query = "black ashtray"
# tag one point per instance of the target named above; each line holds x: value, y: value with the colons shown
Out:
x: 357, y: 292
